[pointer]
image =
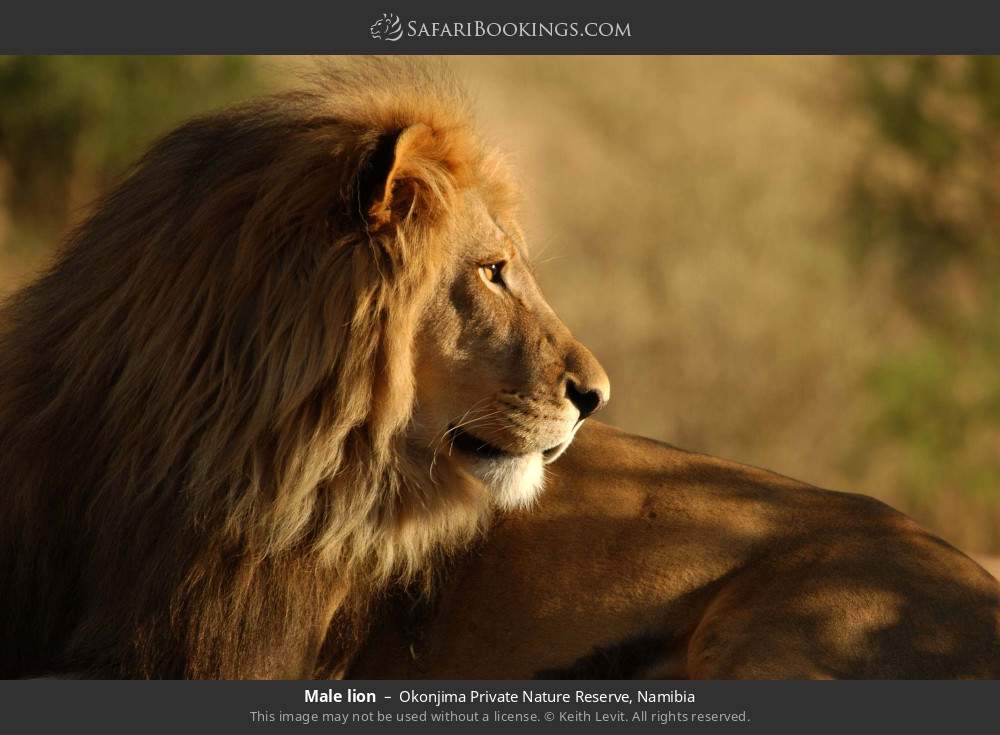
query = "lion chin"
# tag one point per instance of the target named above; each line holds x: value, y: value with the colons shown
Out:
x: 513, y: 482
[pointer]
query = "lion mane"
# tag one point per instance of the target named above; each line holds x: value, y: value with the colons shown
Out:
x: 202, y: 401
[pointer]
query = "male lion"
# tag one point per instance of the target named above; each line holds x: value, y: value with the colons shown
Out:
x: 298, y: 353
x: 645, y: 561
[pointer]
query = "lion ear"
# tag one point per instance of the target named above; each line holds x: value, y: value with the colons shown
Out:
x: 402, y: 177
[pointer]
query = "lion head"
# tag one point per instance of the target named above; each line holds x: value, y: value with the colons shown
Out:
x: 501, y: 385
x: 297, y: 352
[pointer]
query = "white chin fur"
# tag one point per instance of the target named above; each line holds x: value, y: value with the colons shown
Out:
x: 514, y: 482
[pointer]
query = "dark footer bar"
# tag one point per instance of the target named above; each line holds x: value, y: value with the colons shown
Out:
x: 490, y: 706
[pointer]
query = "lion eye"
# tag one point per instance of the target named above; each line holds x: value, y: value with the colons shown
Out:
x: 493, y: 272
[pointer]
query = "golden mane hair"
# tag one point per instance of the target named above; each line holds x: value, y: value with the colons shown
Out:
x: 202, y: 400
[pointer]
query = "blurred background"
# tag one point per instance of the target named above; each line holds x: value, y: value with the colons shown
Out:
x: 791, y: 262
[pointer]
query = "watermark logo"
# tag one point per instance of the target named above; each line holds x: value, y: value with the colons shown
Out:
x: 387, y: 28
x: 390, y: 28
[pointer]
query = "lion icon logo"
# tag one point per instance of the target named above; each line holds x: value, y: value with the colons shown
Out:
x: 387, y: 28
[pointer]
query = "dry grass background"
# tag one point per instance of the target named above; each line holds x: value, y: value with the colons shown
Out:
x: 686, y: 221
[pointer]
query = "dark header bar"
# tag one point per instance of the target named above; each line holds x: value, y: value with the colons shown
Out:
x: 510, y: 27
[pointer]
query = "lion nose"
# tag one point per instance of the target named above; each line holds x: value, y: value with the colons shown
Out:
x: 586, y: 399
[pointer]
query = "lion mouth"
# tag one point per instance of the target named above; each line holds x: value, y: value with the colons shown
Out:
x: 466, y: 442
x: 472, y: 444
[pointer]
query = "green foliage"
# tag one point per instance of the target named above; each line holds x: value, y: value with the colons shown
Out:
x: 927, y: 198
x: 928, y: 190
x: 942, y: 406
x: 70, y: 125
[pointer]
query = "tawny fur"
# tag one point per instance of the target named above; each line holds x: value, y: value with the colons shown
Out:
x: 202, y: 402
x: 645, y: 561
